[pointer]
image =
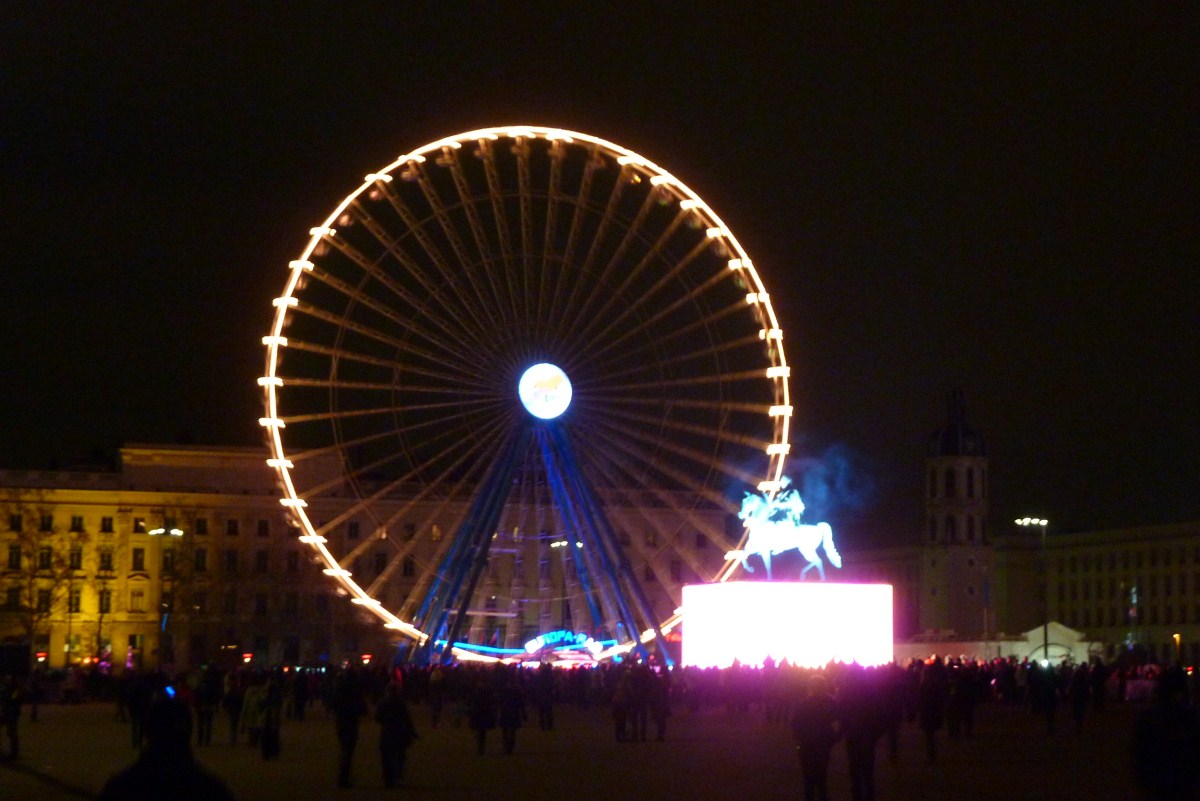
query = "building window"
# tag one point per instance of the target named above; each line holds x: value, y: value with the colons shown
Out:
x: 106, y: 560
x: 168, y: 561
x: 137, y: 600
x: 381, y: 560
x: 261, y: 560
x: 139, y: 525
x: 139, y: 559
x: 932, y: 483
x: 648, y: 572
x: 76, y: 523
x: 43, y: 601
x: 12, y: 599
x: 106, y: 525
x: 14, y: 557
x: 200, y: 602
x: 970, y: 528
x: 676, y: 570
x: 651, y: 539
x: 410, y: 531
x: 353, y: 530
x: 104, y: 601
x: 435, y: 533
x: 409, y: 567
x: 202, y: 526
x: 73, y: 599
x: 264, y: 528
x: 75, y: 558
x: 231, y: 561
x: 15, y: 523
x: 45, y: 557
x: 46, y: 523
x: 200, y: 560
x: 951, y: 529
x: 970, y: 482
x: 701, y: 541
x: 231, y: 528
x: 950, y: 489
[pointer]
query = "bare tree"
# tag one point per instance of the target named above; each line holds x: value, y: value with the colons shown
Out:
x: 42, y: 563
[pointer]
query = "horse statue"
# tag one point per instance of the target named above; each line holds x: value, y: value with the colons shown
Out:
x: 773, y: 527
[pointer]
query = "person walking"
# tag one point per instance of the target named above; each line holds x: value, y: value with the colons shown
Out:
x: 349, y: 705
x: 10, y: 713
x: 396, y: 733
x: 814, y: 728
x: 511, y: 708
x: 481, y: 711
x: 233, y: 700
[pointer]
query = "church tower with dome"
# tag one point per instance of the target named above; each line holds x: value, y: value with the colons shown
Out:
x: 956, y: 551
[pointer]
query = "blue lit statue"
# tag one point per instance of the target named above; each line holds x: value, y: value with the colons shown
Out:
x: 773, y: 526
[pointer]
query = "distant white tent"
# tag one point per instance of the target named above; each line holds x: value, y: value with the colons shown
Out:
x: 1064, y: 643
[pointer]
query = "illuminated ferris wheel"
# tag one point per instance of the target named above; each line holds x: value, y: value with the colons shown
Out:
x: 518, y: 380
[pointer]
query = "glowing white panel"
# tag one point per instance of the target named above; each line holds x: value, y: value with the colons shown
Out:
x: 807, y: 623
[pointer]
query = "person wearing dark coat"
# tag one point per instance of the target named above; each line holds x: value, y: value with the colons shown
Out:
x: 814, y: 728
x: 481, y: 711
x: 511, y: 708
x: 349, y: 705
x: 166, y: 767
x: 862, y: 718
x: 396, y: 733
x: 932, y: 695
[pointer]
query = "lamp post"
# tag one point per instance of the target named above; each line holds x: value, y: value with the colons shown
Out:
x: 1042, y: 523
x: 163, y: 612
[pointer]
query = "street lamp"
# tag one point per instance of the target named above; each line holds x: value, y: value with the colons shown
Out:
x: 163, y: 614
x: 1042, y: 523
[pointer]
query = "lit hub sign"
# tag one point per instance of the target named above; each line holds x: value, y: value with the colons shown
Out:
x: 564, y: 640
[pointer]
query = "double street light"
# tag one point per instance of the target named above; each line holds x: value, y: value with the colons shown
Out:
x: 1042, y: 523
x: 164, y: 642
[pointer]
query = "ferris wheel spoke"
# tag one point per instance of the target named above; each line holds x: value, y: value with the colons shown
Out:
x: 417, y: 305
x: 370, y: 332
x: 690, y: 455
x: 497, y: 194
x: 617, y: 473
x: 606, y: 222
x: 525, y: 207
x: 593, y: 163
x: 554, y: 199
x: 465, y: 454
x: 479, y: 318
x: 640, y: 302
x: 647, y: 328
x: 682, y: 427
x: 614, y: 264
x: 445, y: 366
x: 468, y: 202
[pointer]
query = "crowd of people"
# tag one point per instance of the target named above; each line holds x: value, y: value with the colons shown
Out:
x: 858, y: 707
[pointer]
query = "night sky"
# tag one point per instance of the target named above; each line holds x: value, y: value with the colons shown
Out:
x: 1001, y: 201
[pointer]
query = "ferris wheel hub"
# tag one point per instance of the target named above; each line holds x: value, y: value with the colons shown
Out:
x: 545, y: 391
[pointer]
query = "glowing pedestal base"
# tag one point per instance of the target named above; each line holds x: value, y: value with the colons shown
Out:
x: 807, y: 623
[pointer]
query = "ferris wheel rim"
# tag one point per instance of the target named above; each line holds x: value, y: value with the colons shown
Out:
x: 271, y: 382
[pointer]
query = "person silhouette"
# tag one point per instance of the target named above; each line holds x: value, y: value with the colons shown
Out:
x: 166, y: 768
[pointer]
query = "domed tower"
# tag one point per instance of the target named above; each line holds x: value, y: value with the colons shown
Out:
x: 955, y: 591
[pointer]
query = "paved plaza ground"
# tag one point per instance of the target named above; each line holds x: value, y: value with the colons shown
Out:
x: 711, y: 754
